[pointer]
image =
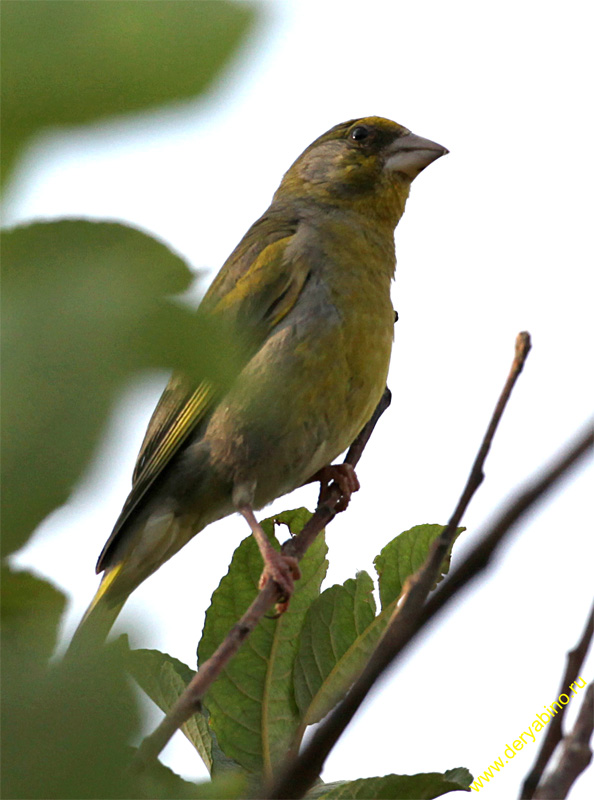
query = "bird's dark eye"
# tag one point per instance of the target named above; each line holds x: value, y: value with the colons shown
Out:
x: 359, y: 133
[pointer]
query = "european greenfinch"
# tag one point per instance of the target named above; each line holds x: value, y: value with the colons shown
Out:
x: 309, y: 286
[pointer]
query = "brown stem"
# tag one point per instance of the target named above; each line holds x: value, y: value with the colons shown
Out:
x: 300, y: 775
x: 476, y: 477
x: 410, y: 618
x: 575, y: 659
x: 189, y: 701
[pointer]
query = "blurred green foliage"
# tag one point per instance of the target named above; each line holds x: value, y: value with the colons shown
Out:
x: 68, y: 62
x: 66, y: 727
x: 85, y: 307
x: 31, y: 612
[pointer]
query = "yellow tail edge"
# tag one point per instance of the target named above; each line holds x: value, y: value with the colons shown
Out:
x: 98, y: 619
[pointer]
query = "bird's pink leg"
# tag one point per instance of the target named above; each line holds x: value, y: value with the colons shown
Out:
x: 284, y: 570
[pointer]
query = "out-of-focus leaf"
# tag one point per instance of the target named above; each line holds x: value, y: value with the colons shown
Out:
x: 423, y: 786
x: 403, y: 556
x: 68, y: 62
x: 83, y: 307
x: 65, y: 730
x: 164, y: 678
x: 332, y: 649
x: 251, y: 705
x: 157, y: 781
x: 31, y: 611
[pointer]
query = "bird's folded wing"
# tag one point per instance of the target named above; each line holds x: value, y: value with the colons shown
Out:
x: 253, y: 303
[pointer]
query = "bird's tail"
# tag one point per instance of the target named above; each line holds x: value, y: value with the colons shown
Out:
x: 98, y: 618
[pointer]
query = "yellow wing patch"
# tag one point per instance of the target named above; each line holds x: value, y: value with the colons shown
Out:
x: 183, y: 422
x: 253, y: 297
x: 147, y: 471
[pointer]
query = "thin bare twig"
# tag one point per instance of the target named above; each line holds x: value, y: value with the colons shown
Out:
x: 189, y: 702
x: 300, y: 774
x: 575, y: 756
x: 554, y: 734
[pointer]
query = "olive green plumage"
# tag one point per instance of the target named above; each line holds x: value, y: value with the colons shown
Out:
x: 309, y: 287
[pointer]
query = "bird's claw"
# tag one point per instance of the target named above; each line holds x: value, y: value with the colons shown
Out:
x: 284, y: 571
x: 344, y: 476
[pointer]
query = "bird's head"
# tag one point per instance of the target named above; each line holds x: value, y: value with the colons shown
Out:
x: 366, y: 164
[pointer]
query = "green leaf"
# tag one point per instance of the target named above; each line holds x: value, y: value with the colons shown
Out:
x: 403, y: 556
x: 31, y: 612
x: 156, y: 781
x: 423, y: 786
x: 164, y: 678
x: 65, y: 730
x: 341, y: 629
x: 332, y: 648
x: 69, y: 62
x: 252, y: 706
x: 83, y: 307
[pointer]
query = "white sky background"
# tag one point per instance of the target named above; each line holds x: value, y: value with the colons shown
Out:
x: 495, y: 239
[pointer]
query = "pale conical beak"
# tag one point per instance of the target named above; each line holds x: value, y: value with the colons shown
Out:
x: 410, y: 154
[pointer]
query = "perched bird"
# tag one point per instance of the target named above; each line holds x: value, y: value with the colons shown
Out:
x: 309, y: 287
